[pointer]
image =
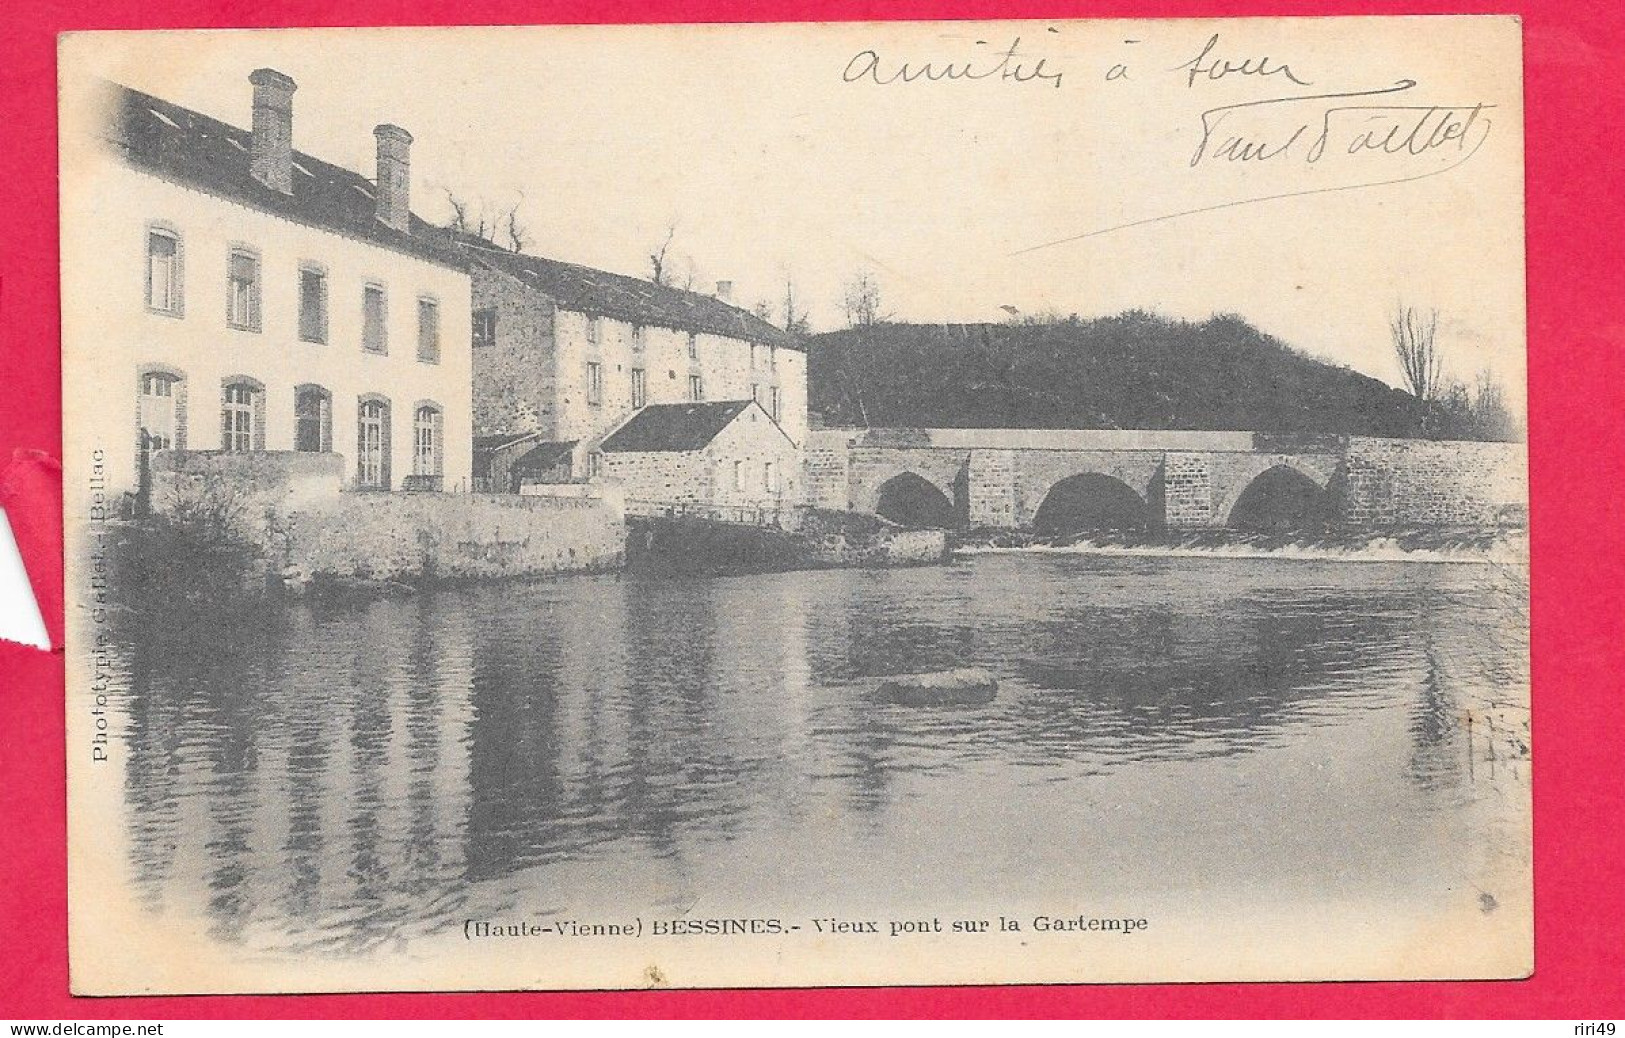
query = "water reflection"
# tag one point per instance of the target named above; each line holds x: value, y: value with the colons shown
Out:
x: 342, y: 777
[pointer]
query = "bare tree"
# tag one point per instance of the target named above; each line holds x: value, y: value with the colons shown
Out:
x: 467, y: 217
x: 484, y: 220
x: 862, y: 300
x: 1414, y: 336
x: 795, y: 318
x: 518, y: 234
x: 658, y: 272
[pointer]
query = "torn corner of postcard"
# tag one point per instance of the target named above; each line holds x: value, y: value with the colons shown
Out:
x: 801, y: 504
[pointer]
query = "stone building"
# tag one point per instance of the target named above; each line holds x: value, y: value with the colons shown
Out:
x: 571, y: 353
x: 251, y: 298
x: 725, y: 459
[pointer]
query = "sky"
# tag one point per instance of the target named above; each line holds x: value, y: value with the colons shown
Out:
x: 797, y: 151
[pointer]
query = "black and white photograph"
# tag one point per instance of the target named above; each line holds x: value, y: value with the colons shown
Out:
x: 795, y: 505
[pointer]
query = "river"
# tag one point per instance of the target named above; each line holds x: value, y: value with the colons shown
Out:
x: 345, y: 778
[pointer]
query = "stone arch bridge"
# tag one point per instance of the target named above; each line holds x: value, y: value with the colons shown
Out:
x: 1059, y: 479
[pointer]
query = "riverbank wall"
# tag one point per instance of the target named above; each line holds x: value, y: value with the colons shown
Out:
x: 284, y: 514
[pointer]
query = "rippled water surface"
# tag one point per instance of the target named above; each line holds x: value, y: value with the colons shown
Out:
x: 356, y: 776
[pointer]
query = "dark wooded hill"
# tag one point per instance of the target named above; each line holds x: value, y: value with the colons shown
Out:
x: 1132, y: 371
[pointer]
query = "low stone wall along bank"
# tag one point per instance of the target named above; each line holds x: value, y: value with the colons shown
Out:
x: 422, y: 538
x: 286, y: 510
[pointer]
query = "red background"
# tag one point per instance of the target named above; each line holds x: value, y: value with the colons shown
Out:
x: 1574, y: 68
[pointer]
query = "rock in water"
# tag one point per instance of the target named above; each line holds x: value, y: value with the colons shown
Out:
x: 962, y: 687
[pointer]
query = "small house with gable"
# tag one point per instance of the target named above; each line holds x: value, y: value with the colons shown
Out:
x: 725, y: 459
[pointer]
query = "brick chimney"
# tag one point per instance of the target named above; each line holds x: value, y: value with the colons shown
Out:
x: 270, y: 155
x: 725, y: 291
x: 394, y: 187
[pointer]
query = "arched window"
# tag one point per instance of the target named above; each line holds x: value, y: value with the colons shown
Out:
x: 372, y: 444
x: 312, y: 419
x: 161, y: 416
x: 242, y: 415
x: 426, y: 441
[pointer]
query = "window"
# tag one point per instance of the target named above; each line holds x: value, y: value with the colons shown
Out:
x: 374, y: 310
x: 485, y: 328
x: 240, y: 413
x: 372, y: 445
x: 640, y: 388
x: 773, y: 402
x: 753, y: 356
x: 693, y: 346
x: 592, y: 329
x: 426, y: 441
x: 739, y: 475
x: 595, y: 464
x: 164, y: 272
x: 312, y: 419
x: 595, y: 383
x: 429, y: 331
x: 696, y: 388
x: 243, y: 291
x: 770, y: 476
x: 772, y: 358
x: 756, y: 392
x: 160, y: 415
x: 312, y: 305
x: 639, y: 338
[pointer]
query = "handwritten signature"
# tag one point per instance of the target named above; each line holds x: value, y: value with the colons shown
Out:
x: 1383, y: 129
x: 1392, y: 132
x: 1005, y: 66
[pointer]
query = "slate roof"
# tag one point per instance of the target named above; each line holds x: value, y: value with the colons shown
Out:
x: 545, y: 455
x: 676, y: 427
x: 497, y: 441
x: 190, y: 148
x: 586, y: 290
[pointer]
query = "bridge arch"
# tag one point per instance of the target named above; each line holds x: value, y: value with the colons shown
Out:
x: 911, y: 500
x: 1282, y: 497
x: 1091, y: 501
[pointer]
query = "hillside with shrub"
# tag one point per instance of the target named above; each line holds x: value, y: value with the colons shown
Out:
x: 1132, y: 371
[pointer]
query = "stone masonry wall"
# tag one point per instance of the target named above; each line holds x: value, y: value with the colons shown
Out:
x: 288, y: 505
x: 824, y: 469
x: 242, y: 490
x: 666, y: 477
x: 1187, y: 490
x: 870, y: 467
x: 990, y: 486
x: 514, y: 380
x: 1430, y: 482
x: 426, y: 537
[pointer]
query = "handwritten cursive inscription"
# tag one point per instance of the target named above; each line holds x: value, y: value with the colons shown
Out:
x: 1351, y: 129
x: 1391, y: 133
x: 1004, y: 66
x: 1208, y: 67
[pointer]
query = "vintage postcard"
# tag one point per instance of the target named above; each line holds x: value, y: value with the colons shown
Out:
x: 800, y: 504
